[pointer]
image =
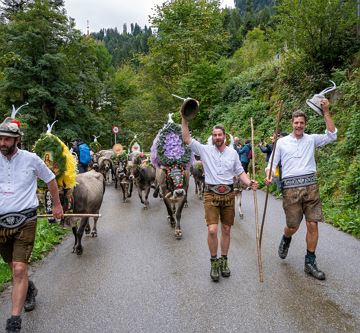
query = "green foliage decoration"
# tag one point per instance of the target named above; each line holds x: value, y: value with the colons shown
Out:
x: 121, y: 157
x: 50, y: 143
x: 95, y: 146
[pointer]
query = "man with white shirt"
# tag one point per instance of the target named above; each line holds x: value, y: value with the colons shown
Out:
x: 221, y: 164
x: 19, y: 171
x: 300, y: 190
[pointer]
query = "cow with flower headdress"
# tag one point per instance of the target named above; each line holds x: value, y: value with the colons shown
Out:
x: 172, y: 160
x: 80, y: 193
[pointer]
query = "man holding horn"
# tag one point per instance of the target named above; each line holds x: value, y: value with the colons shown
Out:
x: 221, y: 164
x: 19, y: 171
x: 300, y: 190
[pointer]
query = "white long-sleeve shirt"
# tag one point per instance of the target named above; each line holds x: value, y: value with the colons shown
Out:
x: 297, y: 156
x: 18, y: 181
x: 219, y: 167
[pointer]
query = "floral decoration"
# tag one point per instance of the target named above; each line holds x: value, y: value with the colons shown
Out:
x: 168, y: 148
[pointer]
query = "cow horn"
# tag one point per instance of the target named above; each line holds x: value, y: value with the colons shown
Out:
x: 189, y: 108
x: 15, y: 111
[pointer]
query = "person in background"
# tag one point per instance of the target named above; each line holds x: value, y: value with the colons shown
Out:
x: 244, y: 153
x: 267, y: 148
x: 76, y: 148
x: 19, y: 170
x: 237, y: 145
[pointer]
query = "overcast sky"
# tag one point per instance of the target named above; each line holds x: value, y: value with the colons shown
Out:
x: 114, y: 13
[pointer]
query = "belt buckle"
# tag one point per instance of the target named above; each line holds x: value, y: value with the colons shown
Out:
x: 221, y: 189
x: 12, y: 220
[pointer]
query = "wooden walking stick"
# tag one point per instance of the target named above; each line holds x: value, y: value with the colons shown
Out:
x: 257, y: 226
x: 71, y: 215
x: 271, y: 164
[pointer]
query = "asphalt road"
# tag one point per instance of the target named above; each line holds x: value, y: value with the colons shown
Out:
x: 136, y: 277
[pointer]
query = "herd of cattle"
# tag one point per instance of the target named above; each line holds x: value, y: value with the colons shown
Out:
x: 134, y: 171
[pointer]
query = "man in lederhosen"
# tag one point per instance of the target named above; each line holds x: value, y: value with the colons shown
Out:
x: 300, y: 191
x: 221, y: 164
x: 19, y: 170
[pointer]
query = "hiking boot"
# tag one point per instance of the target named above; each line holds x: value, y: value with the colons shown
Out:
x: 311, y: 269
x: 13, y: 324
x: 30, y: 302
x: 224, y: 267
x: 214, y: 272
x: 284, y: 247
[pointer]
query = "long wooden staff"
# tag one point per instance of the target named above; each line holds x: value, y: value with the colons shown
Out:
x: 71, y: 215
x: 257, y: 226
x: 271, y: 164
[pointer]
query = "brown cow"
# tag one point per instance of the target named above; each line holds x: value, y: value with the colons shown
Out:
x: 88, y: 196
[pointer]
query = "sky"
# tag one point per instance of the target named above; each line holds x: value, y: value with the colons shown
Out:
x: 114, y: 13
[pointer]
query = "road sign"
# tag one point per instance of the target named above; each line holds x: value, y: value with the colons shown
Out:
x: 115, y: 129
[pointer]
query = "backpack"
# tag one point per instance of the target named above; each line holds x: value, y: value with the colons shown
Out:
x: 249, y: 155
x: 84, y: 154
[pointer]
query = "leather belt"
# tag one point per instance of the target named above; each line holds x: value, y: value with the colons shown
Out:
x: 299, y: 181
x: 15, y: 220
x: 219, y: 189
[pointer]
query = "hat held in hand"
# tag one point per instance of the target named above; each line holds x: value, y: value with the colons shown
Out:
x: 315, y: 101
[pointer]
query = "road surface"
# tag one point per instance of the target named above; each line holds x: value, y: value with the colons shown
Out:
x: 136, y: 277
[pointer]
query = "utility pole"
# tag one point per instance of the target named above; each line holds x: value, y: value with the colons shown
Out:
x: 87, y: 28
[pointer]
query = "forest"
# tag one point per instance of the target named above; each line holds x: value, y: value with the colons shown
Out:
x: 237, y: 62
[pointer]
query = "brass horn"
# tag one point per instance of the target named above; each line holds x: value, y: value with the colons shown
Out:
x: 189, y: 107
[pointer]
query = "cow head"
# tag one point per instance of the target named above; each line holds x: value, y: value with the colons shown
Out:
x: 106, y: 165
x: 176, y: 182
x: 134, y: 166
x: 121, y: 169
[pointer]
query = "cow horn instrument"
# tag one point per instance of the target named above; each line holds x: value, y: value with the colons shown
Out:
x: 315, y: 102
x: 189, y: 108
x: 257, y: 227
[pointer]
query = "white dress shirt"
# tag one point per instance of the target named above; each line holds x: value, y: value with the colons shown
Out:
x: 297, y: 156
x: 219, y: 167
x: 18, y: 181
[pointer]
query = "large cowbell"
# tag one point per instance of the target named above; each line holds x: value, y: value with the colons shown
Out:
x: 189, y: 108
x: 315, y: 101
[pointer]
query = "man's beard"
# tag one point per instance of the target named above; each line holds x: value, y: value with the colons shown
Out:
x: 8, y: 151
x: 218, y: 143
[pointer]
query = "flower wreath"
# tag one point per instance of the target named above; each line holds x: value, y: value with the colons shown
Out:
x: 168, y: 148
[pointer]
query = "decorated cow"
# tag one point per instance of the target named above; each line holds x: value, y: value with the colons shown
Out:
x: 79, y: 193
x: 172, y: 160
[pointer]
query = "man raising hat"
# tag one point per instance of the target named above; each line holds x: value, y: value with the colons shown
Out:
x: 300, y: 190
